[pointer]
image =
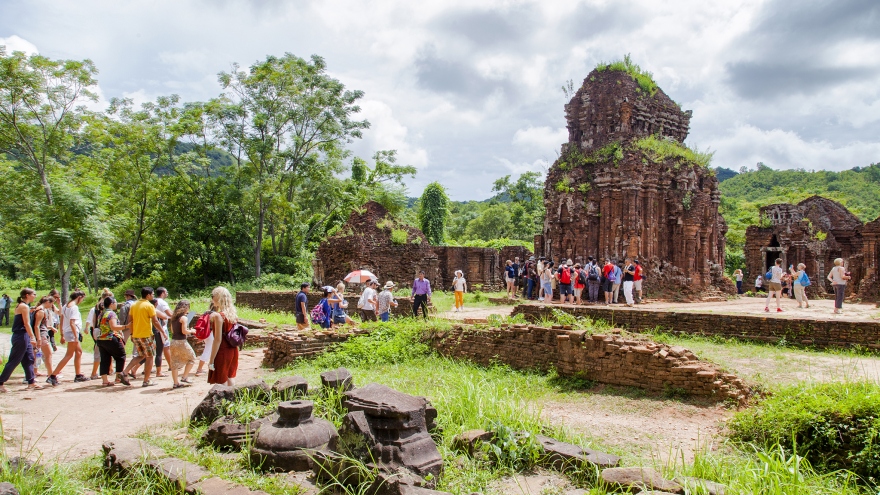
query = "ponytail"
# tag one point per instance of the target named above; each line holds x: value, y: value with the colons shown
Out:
x: 24, y: 293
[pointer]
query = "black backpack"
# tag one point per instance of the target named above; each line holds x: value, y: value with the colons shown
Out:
x: 582, y: 278
x: 594, y: 273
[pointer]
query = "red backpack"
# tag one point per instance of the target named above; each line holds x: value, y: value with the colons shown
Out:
x: 203, y: 326
x: 565, y: 276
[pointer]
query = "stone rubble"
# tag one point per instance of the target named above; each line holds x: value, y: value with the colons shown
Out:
x: 291, y: 442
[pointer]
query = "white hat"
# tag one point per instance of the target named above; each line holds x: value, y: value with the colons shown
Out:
x: 389, y: 285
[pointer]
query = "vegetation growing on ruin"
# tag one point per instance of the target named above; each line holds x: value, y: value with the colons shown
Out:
x: 398, y: 236
x: 659, y: 149
x: 643, y: 78
x: 564, y: 185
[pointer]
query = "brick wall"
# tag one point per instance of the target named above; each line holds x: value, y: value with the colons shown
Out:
x: 609, y: 359
x: 757, y: 328
x: 285, y: 347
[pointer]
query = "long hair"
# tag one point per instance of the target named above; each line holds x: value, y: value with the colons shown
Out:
x: 223, y: 303
x: 24, y: 293
x: 181, y: 309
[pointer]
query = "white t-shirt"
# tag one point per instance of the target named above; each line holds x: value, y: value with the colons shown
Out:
x: 90, y: 319
x: 759, y: 282
x: 369, y: 293
x: 777, y: 274
x: 71, y: 313
x: 458, y: 283
x: 837, y: 276
x: 162, y: 307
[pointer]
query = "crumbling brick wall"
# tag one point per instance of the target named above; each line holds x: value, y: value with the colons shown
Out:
x: 284, y: 348
x: 607, y: 359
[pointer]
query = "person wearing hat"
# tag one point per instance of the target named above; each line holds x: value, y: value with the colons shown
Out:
x: 386, y: 301
x: 368, y: 301
x: 459, y: 287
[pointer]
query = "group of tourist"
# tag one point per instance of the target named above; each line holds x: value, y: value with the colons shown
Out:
x: 778, y: 283
x: 145, y: 322
x: 595, y: 282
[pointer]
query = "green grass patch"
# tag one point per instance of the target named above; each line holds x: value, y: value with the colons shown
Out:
x: 643, y: 78
x: 659, y: 149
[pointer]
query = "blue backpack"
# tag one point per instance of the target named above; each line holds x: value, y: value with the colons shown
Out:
x: 804, y: 280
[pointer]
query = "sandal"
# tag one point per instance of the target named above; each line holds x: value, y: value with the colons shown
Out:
x: 161, y: 375
x: 180, y: 385
x: 108, y: 384
x: 34, y: 386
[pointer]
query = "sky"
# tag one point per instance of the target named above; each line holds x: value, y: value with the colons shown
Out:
x: 470, y: 91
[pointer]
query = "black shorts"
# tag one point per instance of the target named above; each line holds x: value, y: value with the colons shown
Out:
x: 565, y: 290
x: 608, y: 286
x: 300, y: 319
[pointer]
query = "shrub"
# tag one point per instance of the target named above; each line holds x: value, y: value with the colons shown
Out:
x: 398, y: 236
x: 834, y: 425
x: 643, y: 78
x: 659, y: 149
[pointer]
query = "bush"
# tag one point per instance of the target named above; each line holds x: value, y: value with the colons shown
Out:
x: 834, y: 425
x: 398, y: 236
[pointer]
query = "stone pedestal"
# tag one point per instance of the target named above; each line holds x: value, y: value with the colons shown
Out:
x: 292, y: 441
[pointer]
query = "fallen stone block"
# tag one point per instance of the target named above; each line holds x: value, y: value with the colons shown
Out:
x: 467, y: 441
x: 122, y: 454
x: 639, y: 477
x: 256, y: 388
x: 291, y: 387
x: 563, y: 456
x: 219, y: 486
x: 182, y: 473
x: 709, y: 487
x: 226, y: 433
x: 8, y: 489
x: 209, y: 408
x: 339, y: 379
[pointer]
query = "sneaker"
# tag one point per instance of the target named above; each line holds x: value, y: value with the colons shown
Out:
x: 80, y: 378
x: 766, y: 310
x: 52, y: 380
x: 779, y: 310
x: 148, y: 383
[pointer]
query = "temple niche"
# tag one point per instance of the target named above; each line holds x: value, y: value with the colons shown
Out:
x: 625, y: 185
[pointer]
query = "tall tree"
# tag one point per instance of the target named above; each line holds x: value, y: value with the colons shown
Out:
x: 41, y: 114
x: 279, y: 119
x: 433, y: 212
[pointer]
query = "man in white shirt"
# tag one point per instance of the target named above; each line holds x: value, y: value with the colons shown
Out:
x: 369, y: 300
x: 164, y: 313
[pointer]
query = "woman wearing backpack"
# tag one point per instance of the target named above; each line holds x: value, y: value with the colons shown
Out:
x: 23, y: 343
x: 321, y: 312
x: 800, y: 282
x: 838, y: 277
x: 223, y: 365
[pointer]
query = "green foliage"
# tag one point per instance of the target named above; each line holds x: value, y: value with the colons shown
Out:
x: 382, y: 345
x: 612, y: 152
x: 833, y: 425
x: 659, y: 149
x: 510, y: 449
x: 249, y: 406
x: 643, y: 78
x: 821, y: 235
x: 564, y: 185
x: 398, y: 236
x: 687, y: 199
x: 433, y: 212
x: 497, y: 243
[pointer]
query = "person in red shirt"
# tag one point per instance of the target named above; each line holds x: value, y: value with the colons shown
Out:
x: 608, y: 280
x: 578, y: 286
x: 637, y: 281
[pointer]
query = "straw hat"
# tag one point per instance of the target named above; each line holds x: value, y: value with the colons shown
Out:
x: 389, y: 285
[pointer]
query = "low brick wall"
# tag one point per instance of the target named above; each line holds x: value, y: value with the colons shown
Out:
x: 283, y: 301
x: 258, y: 336
x: 757, y: 328
x: 283, y: 348
x: 609, y: 359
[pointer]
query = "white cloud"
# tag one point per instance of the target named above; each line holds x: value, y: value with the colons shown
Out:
x: 15, y: 43
x: 387, y: 133
x: 542, y: 139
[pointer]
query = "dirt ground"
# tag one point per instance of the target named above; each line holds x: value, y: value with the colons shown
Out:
x: 72, y: 420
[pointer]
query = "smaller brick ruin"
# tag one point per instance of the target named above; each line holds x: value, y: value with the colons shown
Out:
x: 815, y: 232
x: 371, y: 239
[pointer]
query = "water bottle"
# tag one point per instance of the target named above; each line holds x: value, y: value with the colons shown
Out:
x: 38, y: 359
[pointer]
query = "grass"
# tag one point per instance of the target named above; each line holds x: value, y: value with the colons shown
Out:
x: 659, y: 149
x: 643, y: 78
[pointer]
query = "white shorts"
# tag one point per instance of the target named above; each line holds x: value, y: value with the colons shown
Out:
x: 508, y: 280
x: 637, y: 285
x: 68, y: 336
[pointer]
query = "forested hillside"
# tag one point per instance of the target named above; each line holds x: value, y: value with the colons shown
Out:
x: 744, y: 193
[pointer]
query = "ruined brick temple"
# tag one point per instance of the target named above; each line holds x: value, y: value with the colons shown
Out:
x: 815, y: 232
x: 625, y: 185
x: 371, y: 239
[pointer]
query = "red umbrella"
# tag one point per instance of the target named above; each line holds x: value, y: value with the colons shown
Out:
x: 360, y: 276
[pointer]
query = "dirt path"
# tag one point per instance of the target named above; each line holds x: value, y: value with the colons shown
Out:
x: 71, y: 421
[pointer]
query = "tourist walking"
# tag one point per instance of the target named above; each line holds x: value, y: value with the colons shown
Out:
x: 838, y: 277
x: 510, y: 279
x: 71, y: 333
x: 594, y: 274
x: 547, y: 282
x: 629, y: 272
x: 580, y: 283
x: 223, y: 365
x: 608, y: 284
x: 800, y: 281
x: 42, y: 324
x: 110, y: 343
x: 143, y: 323
x: 91, y: 325
x: 638, y: 276
x: 386, y: 301
x: 459, y: 287
x: 774, y: 285
x: 300, y: 306
x: 163, y: 342
x: 421, y: 294
x: 322, y: 318
x: 205, y: 356
x: 564, y: 280
x: 338, y: 305
x: 182, y: 354
x: 618, y: 280
x: 368, y: 301
x: 738, y: 276
x: 5, y: 302
x: 23, y: 343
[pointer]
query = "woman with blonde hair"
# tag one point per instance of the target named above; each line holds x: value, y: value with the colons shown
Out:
x: 838, y: 277
x: 223, y: 365
x: 800, y: 280
x: 459, y: 285
x: 182, y: 354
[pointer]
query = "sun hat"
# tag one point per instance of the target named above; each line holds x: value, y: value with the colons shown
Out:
x: 389, y: 285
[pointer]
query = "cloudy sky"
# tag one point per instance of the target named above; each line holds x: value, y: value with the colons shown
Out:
x: 470, y: 91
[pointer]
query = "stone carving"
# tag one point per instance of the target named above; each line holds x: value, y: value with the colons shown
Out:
x: 391, y: 428
x: 226, y: 433
x: 609, y: 195
x: 815, y: 232
x: 338, y: 379
x: 292, y: 441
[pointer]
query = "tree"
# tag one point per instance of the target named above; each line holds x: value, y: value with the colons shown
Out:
x: 40, y: 118
x: 433, y: 212
x: 493, y: 223
x: 284, y: 119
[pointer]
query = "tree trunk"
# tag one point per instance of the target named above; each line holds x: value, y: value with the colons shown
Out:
x: 94, y: 269
x: 258, y: 245
x: 86, y: 278
x: 229, y: 265
x: 65, y: 279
